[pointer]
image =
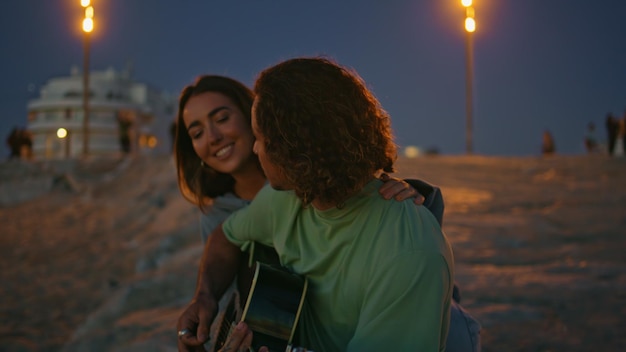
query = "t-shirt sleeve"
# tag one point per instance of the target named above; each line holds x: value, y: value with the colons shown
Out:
x: 252, y: 223
x: 209, y: 221
x: 406, y: 306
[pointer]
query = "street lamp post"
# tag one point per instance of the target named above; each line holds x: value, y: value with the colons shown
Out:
x: 87, y: 28
x: 470, y: 27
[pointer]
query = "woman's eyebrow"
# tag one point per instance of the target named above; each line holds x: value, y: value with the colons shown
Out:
x: 216, y: 110
x: 210, y: 114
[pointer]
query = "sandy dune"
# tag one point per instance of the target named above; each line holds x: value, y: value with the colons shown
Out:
x: 102, y: 255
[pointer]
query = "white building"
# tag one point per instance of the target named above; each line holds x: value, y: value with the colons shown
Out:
x: 115, y: 101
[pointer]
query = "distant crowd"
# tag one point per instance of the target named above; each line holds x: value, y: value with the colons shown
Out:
x: 615, y: 143
x: 20, y: 142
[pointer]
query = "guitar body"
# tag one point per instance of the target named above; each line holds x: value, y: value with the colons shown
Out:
x: 272, y: 309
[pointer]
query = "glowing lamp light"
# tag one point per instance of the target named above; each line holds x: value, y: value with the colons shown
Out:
x: 61, y: 133
x: 89, y: 12
x: 466, y: 3
x: 470, y: 24
x: 152, y: 141
x: 412, y: 151
x: 85, y: 3
x: 87, y: 25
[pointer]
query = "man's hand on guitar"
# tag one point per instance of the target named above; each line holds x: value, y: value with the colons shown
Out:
x: 193, y: 325
x: 240, y: 340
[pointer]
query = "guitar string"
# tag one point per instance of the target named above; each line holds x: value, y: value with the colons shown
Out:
x: 225, y: 329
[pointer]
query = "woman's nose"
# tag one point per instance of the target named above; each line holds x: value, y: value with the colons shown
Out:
x: 215, y: 135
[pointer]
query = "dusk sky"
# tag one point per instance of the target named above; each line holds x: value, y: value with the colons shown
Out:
x: 538, y: 64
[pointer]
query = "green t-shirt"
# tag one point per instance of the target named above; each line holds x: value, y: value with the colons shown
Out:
x: 380, y: 272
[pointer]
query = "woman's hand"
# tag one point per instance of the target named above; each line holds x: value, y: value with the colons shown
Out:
x: 399, y: 190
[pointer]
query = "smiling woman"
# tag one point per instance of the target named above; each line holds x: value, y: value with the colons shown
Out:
x: 213, y: 143
x: 219, y: 133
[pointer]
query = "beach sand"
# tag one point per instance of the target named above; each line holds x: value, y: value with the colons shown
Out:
x: 102, y: 255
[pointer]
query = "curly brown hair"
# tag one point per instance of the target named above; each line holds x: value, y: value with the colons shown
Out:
x: 323, y: 127
x: 200, y: 183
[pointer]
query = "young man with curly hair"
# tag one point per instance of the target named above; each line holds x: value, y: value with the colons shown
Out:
x: 380, y: 273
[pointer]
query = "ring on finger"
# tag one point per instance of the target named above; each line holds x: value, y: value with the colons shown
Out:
x: 183, y: 332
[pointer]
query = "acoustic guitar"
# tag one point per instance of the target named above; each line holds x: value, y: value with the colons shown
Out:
x: 272, y: 308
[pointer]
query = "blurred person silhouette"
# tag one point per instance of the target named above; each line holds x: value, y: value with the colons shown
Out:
x: 612, y: 129
x: 26, y: 146
x: 14, y: 141
x: 591, y: 144
x: 192, y: 148
x: 124, y: 127
x: 547, y: 144
x: 20, y: 142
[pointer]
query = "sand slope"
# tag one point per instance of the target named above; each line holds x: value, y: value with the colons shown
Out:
x: 102, y: 255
